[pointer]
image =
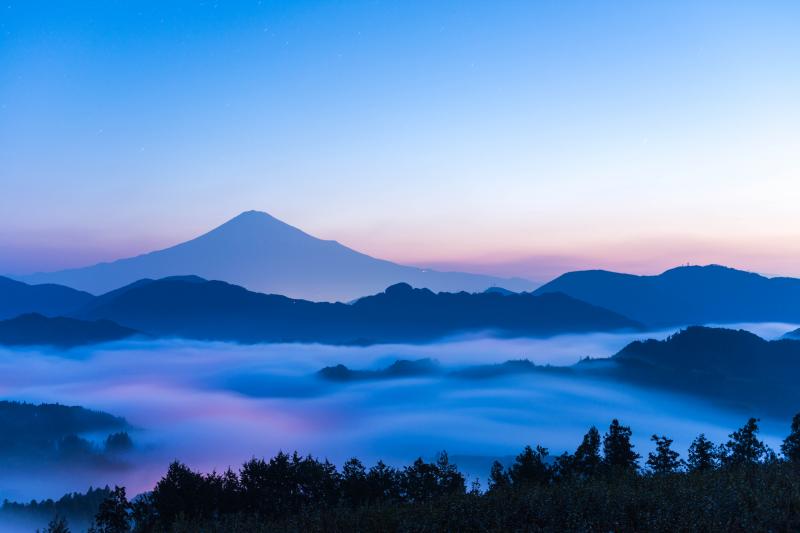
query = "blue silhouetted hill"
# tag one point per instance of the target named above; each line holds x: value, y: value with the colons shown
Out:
x: 17, y: 298
x: 214, y: 310
x: 260, y: 252
x: 734, y: 367
x: 686, y: 295
x: 55, y: 432
x: 37, y: 330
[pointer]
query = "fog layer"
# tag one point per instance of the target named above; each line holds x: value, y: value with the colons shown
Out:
x: 215, y: 405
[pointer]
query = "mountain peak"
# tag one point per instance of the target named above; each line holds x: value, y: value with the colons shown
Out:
x: 262, y: 253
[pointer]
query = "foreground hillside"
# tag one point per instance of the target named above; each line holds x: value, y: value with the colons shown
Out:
x: 605, y: 485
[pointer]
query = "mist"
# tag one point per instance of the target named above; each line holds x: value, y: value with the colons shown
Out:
x: 215, y: 405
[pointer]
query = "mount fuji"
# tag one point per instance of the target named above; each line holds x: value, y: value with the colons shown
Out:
x: 264, y: 254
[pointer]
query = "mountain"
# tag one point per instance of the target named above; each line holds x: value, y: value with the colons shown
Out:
x: 686, y: 295
x: 18, y: 298
x: 52, y: 432
x: 734, y: 367
x: 795, y: 335
x: 214, y: 310
x: 259, y: 252
x: 37, y: 330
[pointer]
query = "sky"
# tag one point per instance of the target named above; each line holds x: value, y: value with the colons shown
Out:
x: 518, y: 138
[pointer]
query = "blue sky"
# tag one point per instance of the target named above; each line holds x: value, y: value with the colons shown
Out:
x: 501, y: 136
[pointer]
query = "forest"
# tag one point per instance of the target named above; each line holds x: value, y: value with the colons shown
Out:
x: 604, y: 485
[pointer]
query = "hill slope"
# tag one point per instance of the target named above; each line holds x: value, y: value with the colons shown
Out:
x: 17, y: 298
x: 37, y: 330
x: 259, y: 252
x: 734, y: 367
x: 213, y: 310
x: 686, y: 295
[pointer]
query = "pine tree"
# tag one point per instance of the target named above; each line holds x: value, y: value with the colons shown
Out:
x: 665, y: 459
x: 702, y: 455
x: 617, y: 448
x: 113, y: 515
x: 498, y: 477
x: 791, y: 444
x: 530, y: 467
x: 744, y: 446
x: 587, y: 460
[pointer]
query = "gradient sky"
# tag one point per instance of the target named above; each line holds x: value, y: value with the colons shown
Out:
x: 511, y: 137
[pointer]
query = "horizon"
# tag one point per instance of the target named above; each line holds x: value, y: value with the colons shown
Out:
x: 498, y: 270
x: 516, y: 140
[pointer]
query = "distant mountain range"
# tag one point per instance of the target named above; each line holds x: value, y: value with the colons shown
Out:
x: 686, y: 295
x: 36, y: 330
x: 18, y: 298
x: 261, y: 253
x: 192, y: 307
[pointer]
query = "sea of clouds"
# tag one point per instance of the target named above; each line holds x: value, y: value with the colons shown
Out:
x: 215, y: 405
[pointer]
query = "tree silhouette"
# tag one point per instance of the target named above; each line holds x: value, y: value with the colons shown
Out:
x: 57, y: 525
x: 498, y: 477
x: 702, y: 455
x: 744, y: 446
x: 530, y: 467
x: 384, y: 483
x: 664, y: 460
x: 617, y: 448
x: 113, y: 515
x: 791, y: 444
x: 355, y: 487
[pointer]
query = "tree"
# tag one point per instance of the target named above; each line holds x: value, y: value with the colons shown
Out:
x: 420, y: 481
x: 587, y: 460
x: 702, y: 455
x: 450, y: 480
x: 530, y: 468
x: 113, y: 515
x: 498, y: 477
x: 355, y: 488
x: 665, y: 459
x: 177, y: 493
x: 617, y: 448
x: 791, y: 444
x: 744, y: 446
x: 383, y: 483
x: 57, y: 525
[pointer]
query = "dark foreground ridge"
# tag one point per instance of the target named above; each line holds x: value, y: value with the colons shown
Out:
x: 605, y: 485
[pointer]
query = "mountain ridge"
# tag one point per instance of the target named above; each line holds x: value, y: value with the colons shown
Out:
x: 688, y: 295
x: 217, y: 310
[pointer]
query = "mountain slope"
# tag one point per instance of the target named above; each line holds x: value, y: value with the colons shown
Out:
x: 37, y: 330
x: 259, y: 252
x: 734, y: 367
x: 17, y: 298
x: 686, y: 295
x: 215, y: 310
